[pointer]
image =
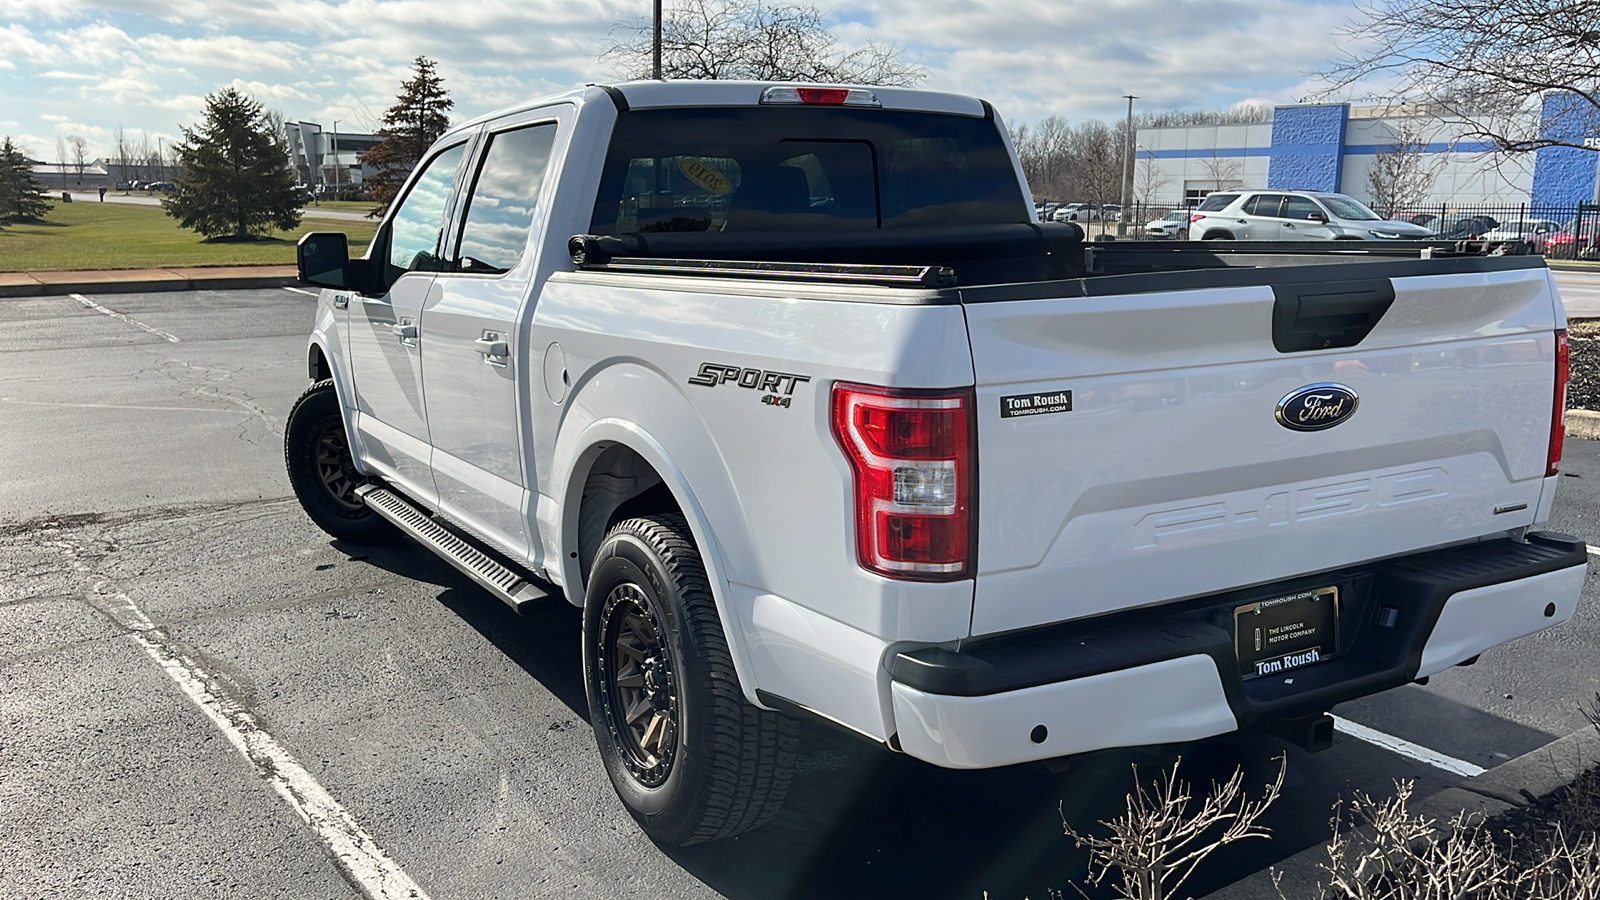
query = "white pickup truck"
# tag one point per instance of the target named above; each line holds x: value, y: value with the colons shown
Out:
x: 787, y: 388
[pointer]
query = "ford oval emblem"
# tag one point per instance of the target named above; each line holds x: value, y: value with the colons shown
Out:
x: 1317, y: 406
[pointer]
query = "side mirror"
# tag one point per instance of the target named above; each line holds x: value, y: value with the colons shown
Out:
x: 324, y: 259
x: 1318, y: 217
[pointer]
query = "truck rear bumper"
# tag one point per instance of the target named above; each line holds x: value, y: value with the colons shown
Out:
x: 1171, y: 674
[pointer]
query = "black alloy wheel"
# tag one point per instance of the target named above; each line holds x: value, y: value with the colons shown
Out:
x: 691, y: 759
x: 322, y: 472
x: 639, y: 694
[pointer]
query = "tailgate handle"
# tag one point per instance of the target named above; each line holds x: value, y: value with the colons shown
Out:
x: 1329, y: 314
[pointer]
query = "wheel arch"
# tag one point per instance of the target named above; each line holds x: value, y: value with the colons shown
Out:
x: 653, y: 450
x: 322, y: 365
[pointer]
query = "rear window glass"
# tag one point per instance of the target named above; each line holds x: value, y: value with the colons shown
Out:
x: 768, y: 169
x: 1215, y: 202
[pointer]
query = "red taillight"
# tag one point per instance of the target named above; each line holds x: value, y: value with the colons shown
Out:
x: 1558, y: 424
x: 911, y: 452
x: 823, y: 96
x: 1195, y: 217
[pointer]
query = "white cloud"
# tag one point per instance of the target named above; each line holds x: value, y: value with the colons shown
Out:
x: 18, y: 44
x: 148, y: 64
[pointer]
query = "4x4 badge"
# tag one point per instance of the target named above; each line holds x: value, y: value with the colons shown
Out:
x: 1317, y: 406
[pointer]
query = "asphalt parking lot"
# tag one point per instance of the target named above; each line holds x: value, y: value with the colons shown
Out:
x: 200, y: 694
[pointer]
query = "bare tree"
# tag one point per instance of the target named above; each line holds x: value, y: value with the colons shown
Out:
x: 1401, y: 174
x: 61, y: 160
x: 723, y: 39
x: 119, y: 141
x: 1045, y: 151
x: 1097, y: 163
x: 1223, y: 171
x: 80, y: 154
x: 1242, y: 114
x: 1492, y: 65
x: 1149, y: 180
x: 141, y: 157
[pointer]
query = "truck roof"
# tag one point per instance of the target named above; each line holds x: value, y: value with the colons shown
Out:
x: 661, y: 94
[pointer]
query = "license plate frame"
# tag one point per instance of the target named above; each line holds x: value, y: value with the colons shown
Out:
x: 1281, y: 634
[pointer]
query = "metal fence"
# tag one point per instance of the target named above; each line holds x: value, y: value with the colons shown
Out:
x: 1570, y: 231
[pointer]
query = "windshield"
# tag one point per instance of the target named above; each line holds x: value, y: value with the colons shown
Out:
x: 773, y: 168
x: 1344, y: 207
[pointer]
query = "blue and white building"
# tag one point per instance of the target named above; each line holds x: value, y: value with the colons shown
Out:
x: 1331, y: 146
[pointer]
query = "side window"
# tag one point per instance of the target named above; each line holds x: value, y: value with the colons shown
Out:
x: 418, y: 224
x: 504, y: 197
x: 1217, y: 201
x: 1264, y: 205
x: 1301, y: 209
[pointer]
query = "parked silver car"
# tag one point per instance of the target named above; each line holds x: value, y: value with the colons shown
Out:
x: 1294, y: 216
x: 1174, y: 224
x: 1531, y: 231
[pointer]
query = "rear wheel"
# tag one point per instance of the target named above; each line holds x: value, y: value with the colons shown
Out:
x: 1217, y: 236
x: 322, y: 471
x: 691, y: 760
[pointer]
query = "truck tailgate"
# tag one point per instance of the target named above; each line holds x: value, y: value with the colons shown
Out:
x: 1129, y: 450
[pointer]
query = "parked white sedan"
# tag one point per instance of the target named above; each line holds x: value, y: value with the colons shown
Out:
x: 1174, y: 224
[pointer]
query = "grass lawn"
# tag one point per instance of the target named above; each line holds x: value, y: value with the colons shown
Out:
x: 82, y: 236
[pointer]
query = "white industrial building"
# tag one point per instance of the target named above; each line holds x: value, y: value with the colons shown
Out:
x: 1332, y: 147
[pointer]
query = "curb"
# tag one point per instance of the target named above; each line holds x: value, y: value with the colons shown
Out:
x: 1582, y: 424
x: 1517, y: 782
x: 48, y: 284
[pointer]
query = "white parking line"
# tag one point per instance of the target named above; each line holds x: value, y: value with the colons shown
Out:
x: 302, y: 291
x: 122, y: 318
x: 365, y: 863
x: 1406, y: 748
x: 1593, y: 550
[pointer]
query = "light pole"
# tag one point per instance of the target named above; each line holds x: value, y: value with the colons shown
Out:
x: 1127, y: 170
x: 335, y: 136
x: 655, y: 42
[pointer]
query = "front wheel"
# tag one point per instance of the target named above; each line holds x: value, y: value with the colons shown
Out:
x: 322, y: 470
x: 690, y: 758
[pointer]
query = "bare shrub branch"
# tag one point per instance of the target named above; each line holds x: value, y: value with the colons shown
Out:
x: 1159, y: 842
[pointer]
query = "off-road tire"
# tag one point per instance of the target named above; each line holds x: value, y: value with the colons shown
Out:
x: 316, y: 452
x: 726, y: 766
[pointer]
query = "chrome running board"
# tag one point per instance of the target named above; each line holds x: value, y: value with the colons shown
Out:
x: 515, y: 589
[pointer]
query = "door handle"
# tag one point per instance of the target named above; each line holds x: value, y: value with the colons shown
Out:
x: 495, y: 351
x: 1288, y: 224
x: 406, y: 331
x: 341, y: 301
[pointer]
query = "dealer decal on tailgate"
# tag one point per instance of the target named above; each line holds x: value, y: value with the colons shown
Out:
x: 1035, y: 404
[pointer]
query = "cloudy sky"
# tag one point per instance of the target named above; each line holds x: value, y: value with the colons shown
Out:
x: 77, y: 67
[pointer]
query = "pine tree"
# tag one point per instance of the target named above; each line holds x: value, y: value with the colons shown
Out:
x: 410, y: 127
x: 21, y: 195
x: 236, y: 180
